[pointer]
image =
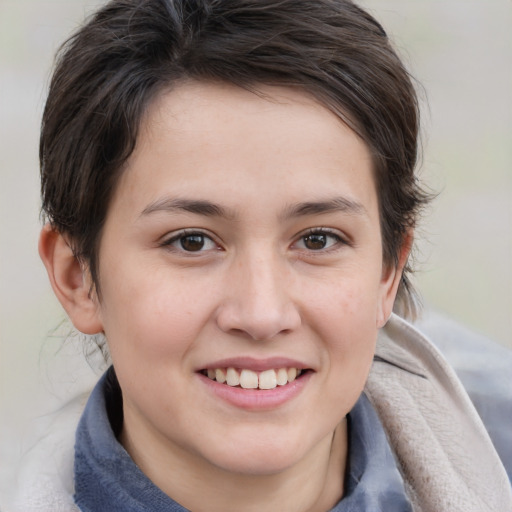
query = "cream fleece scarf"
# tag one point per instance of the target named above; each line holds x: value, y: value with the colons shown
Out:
x: 444, y: 453
x: 443, y: 450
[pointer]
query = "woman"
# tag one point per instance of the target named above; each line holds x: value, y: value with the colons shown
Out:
x: 231, y: 198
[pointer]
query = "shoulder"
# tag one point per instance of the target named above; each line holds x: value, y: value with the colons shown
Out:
x: 45, y: 480
x: 443, y: 449
x: 485, y: 370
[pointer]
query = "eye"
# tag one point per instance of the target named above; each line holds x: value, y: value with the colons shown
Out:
x: 190, y: 242
x: 318, y: 240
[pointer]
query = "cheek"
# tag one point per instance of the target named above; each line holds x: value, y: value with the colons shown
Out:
x: 345, y: 321
x: 351, y: 350
x: 149, y: 315
x: 347, y: 301
x: 350, y: 336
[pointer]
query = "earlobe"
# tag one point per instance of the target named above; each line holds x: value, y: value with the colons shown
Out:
x: 391, y: 281
x: 70, y: 283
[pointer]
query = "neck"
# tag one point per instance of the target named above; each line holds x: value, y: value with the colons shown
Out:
x: 314, y: 484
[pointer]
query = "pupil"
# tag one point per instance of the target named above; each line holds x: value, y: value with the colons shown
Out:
x: 192, y: 242
x: 315, y: 242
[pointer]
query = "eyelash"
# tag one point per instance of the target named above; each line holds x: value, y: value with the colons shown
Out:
x: 327, y: 232
x: 179, y: 237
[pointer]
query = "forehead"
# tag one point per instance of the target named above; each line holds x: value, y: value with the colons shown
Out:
x: 227, y: 139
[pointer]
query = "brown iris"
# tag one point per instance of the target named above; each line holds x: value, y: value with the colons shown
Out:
x: 192, y: 242
x: 316, y: 241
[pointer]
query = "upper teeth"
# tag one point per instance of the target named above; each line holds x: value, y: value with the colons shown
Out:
x: 249, y: 379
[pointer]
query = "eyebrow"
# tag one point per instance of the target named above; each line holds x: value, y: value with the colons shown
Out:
x: 210, y: 209
x: 335, y: 204
x: 197, y: 206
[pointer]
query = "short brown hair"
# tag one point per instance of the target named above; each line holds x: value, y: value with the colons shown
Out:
x: 108, y: 72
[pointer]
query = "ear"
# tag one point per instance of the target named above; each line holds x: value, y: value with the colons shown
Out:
x: 71, y: 283
x: 390, y: 282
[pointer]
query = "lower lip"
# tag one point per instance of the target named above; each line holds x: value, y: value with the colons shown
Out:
x: 257, y: 399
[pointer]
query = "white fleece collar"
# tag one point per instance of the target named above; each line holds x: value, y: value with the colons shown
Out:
x: 443, y: 450
x: 445, y: 455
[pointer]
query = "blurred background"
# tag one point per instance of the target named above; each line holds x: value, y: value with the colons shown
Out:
x: 461, y: 53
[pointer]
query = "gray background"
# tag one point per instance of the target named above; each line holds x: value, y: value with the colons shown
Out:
x: 461, y: 51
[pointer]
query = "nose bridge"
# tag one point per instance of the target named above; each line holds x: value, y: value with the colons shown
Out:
x: 264, y: 278
x: 258, y: 300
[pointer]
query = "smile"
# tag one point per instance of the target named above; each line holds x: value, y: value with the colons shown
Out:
x: 249, y: 379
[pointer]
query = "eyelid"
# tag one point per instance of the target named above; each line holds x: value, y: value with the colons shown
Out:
x: 342, y: 240
x: 170, y: 238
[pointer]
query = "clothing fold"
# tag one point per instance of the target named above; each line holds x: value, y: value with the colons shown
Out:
x: 433, y: 449
x: 443, y: 450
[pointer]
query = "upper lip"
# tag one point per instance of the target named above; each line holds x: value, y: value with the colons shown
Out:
x: 255, y: 364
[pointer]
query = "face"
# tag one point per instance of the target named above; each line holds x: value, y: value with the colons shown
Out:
x: 242, y: 243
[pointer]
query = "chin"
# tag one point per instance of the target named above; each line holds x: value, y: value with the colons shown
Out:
x: 260, y: 457
x: 264, y: 465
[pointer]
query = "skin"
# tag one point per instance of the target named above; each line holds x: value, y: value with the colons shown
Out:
x: 257, y: 288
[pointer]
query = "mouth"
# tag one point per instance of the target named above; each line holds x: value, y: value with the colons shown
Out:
x: 250, y: 379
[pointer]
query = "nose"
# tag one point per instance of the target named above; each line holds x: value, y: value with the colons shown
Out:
x: 257, y: 300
